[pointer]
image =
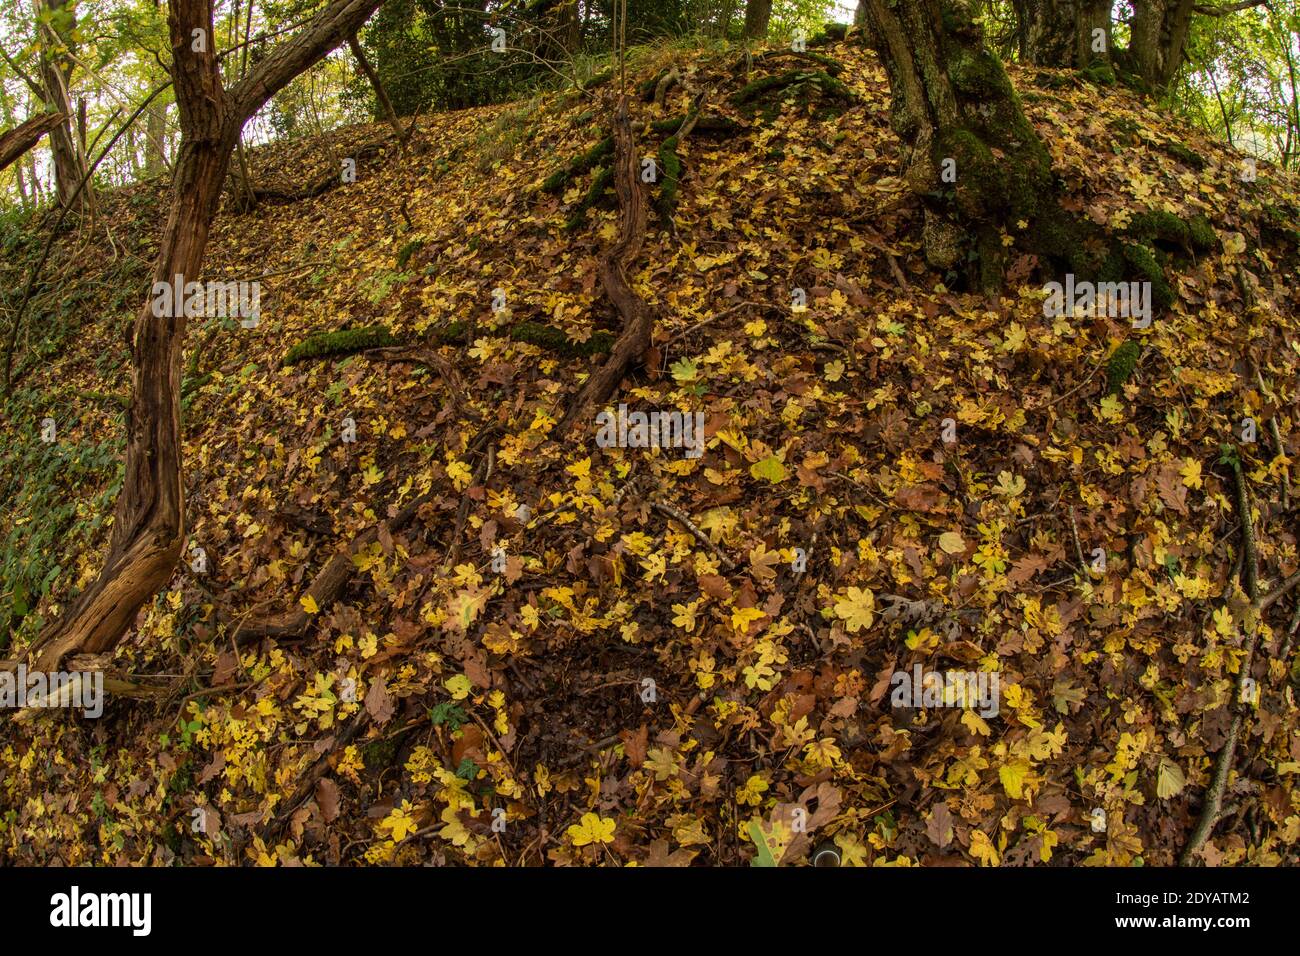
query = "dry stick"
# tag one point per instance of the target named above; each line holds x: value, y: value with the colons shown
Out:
x: 54, y: 232
x: 1212, y: 810
x: 690, y: 526
x: 318, y: 769
x: 325, y: 587
x: 1276, y: 431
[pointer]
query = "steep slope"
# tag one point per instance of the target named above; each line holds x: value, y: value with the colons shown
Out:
x: 894, y: 474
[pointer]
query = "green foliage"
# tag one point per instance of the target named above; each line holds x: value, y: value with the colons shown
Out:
x: 59, y: 497
x: 1120, y: 366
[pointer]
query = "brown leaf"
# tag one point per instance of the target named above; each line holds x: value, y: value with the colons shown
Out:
x: 327, y: 798
x: 379, y: 703
x: 938, y: 825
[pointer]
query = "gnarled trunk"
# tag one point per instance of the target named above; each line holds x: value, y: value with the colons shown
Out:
x: 1159, y: 31
x: 148, y: 530
x: 954, y: 106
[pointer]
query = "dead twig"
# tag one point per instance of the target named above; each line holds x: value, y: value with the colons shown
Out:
x: 1212, y: 809
x: 681, y: 518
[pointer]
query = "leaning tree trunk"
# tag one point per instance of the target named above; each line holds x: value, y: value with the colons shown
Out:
x: 758, y: 13
x: 970, y: 153
x: 148, y: 530
x: 17, y: 141
x: 1064, y: 33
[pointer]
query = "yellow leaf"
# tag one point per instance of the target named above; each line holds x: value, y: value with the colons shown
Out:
x: 309, y: 604
x: 1169, y: 779
x: 592, y: 829
x: 856, y: 609
x: 459, y: 686
x: 951, y: 542
x: 1013, y: 776
x: 769, y: 468
x: 981, y: 847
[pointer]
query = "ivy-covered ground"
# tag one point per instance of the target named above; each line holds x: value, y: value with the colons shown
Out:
x: 1080, y: 536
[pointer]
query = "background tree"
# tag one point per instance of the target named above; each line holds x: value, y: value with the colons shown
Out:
x: 757, y: 15
x: 57, y: 26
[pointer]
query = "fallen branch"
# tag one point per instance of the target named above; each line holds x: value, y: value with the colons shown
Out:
x: 638, y: 321
x: 325, y: 587
x: 681, y: 518
x: 1212, y: 809
x: 22, y: 138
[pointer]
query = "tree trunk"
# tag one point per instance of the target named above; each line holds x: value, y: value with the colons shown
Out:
x: 969, y: 152
x: 155, y: 158
x: 56, y: 69
x: 148, y: 530
x: 758, y: 13
x: 20, y: 139
x: 381, y: 95
x: 1155, y: 51
x: 1062, y: 33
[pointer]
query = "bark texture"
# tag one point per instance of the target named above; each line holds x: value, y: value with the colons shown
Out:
x: 758, y: 14
x: 148, y: 527
x: 969, y: 151
x: 20, y: 139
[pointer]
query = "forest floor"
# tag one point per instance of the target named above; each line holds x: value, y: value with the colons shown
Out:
x: 546, y: 664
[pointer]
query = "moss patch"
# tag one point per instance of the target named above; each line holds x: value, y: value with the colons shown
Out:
x: 1120, y: 366
x: 556, y: 182
x: 767, y: 93
x: 602, y: 184
x: 352, y: 341
x: 345, y: 342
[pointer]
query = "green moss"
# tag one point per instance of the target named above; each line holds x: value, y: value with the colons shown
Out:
x: 1163, y: 226
x: 1184, y: 154
x: 705, y: 124
x: 1138, y: 261
x: 1100, y: 73
x: 977, y: 73
x: 1201, y: 233
x: 670, y: 167
x: 980, y: 187
x: 556, y: 182
x: 1120, y: 366
x: 555, y: 340
x: 345, y: 342
x: 404, y: 254
x: 599, y: 186
x: 803, y: 84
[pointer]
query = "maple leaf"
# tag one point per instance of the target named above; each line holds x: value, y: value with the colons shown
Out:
x: 857, y: 609
x: 399, y: 823
x: 591, y: 829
